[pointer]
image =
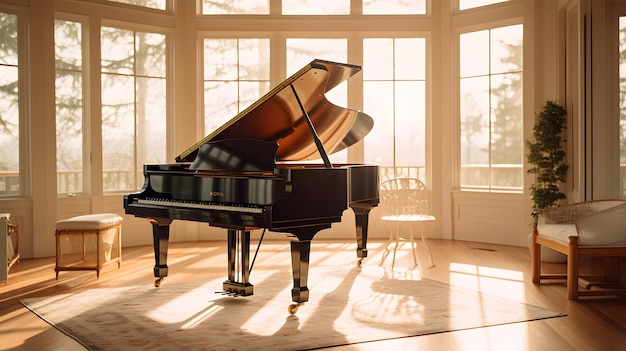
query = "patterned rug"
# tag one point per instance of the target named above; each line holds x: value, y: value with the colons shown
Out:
x: 346, y: 306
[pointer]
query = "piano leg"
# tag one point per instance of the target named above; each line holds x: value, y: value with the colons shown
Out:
x: 238, y: 283
x: 300, y: 251
x: 361, y: 214
x: 161, y: 236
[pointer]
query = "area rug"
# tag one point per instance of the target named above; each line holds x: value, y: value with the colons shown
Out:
x: 346, y: 306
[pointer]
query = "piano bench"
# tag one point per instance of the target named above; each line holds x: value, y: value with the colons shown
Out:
x: 88, y: 242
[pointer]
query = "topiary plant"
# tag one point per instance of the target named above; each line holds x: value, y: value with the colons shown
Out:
x: 547, y: 157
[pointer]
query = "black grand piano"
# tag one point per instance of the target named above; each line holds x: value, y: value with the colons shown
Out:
x: 255, y: 172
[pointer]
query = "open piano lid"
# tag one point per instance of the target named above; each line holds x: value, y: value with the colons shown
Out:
x: 277, y: 116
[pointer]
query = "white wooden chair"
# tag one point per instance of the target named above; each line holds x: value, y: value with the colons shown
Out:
x: 584, y: 229
x: 405, y: 201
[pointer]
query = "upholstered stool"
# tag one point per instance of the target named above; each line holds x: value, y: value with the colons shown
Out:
x: 88, y: 242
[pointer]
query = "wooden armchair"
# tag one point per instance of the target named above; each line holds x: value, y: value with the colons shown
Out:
x: 585, y: 229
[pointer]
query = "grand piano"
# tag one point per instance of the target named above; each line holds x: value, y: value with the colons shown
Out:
x: 258, y: 171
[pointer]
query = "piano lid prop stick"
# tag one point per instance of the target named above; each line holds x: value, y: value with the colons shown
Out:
x: 318, y: 142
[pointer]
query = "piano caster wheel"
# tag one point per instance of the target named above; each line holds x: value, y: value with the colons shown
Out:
x: 157, y: 282
x: 293, y: 308
x: 359, y: 262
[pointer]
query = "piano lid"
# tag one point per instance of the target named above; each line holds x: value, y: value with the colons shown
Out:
x: 277, y: 116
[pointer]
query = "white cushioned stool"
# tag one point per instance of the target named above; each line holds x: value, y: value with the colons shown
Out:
x: 88, y: 242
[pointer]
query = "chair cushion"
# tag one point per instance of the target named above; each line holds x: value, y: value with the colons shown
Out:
x: 90, y: 221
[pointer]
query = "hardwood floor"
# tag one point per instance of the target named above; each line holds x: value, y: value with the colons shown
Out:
x: 590, y: 324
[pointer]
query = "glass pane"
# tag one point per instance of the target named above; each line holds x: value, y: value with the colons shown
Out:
x: 506, y: 49
x: 118, y: 132
x: 316, y: 7
x: 506, y: 130
x: 378, y: 54
x: 69, y: 107
x: 220, y: 59
x: 220, y: 104
x: 155, y: 4
x: 8, y: 39
x: 235, y: 7
x: 410, y: 58
x: 67, y: 44
x: 470, y: 4
x: 474, y: 53
x: 150, y: 54
x: 622, y: 105
x: 69, y: 137
x: 410, y: 102
x: 254, y: 59
x: 394, y: 7
x: 118, y: 51
x: 9, y: 108
x: 378, y: 102
x: 474, y: 101
x: 151, y: 120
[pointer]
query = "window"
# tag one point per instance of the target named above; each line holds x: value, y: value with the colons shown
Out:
x: 155, y: 4
x: 490, y: 98
x: 394, y: 89
x: 394, y: 7
x: 316, y: 7
x: 69, y: 106
x: 470, y: 4
x: 9, y: 106
x: 236, y: 74
x: 133, y: 105
x: 235, y: 7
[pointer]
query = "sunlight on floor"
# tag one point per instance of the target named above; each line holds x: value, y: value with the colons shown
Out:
x: 184, y: 308
x: 489, y: 280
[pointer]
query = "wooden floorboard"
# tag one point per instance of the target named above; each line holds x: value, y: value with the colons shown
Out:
x: 590, y: 324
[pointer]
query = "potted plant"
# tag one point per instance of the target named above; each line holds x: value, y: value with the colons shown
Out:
x: 546, y: 157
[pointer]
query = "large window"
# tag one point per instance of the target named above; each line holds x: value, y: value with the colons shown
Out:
x: 9, y: 107
x: 394, y: 89
x: 133, y: 105
x: 491, y: 136
x: 69, y: 106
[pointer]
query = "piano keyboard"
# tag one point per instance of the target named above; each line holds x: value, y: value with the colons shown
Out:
x: 202, y: 205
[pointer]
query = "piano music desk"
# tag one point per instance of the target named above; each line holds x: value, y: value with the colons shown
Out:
x: 88, y: 242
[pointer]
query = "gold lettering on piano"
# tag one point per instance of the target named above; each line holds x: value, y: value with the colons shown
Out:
x: 217, y: 193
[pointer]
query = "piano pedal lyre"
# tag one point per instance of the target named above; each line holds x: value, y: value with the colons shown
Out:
x: 236, y: 289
